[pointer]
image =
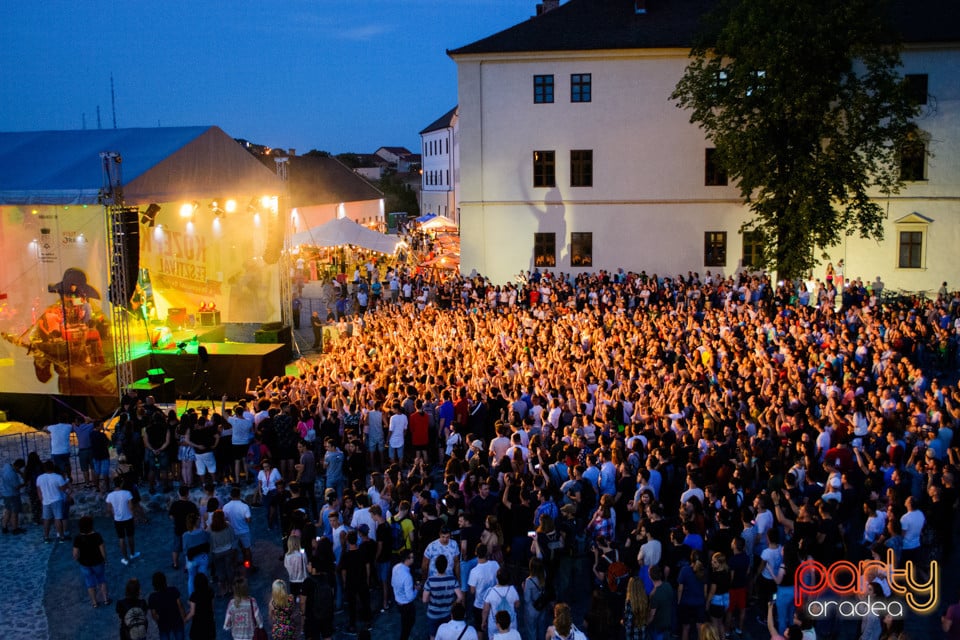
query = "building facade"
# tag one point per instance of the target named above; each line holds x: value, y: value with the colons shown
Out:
x: 574, y: 158
x: 440, y: 175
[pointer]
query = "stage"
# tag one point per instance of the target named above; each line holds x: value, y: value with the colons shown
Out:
x: 227, y: 368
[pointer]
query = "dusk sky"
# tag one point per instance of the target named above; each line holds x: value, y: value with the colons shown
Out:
x: 337, y: 75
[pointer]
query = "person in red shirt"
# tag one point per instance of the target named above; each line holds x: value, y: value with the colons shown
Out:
x: 420, y: 432
x: 461, y: 411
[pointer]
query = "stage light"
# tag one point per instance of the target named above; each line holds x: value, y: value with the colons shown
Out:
x: 149, y: 216
x: 187, y: 209
x: 256, y: 218
x: 190, y: 226
x: 216, y: 209
x: 230, y: 206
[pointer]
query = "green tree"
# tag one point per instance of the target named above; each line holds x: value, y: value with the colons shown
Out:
x: 397, y: 195
x: 806, y: 108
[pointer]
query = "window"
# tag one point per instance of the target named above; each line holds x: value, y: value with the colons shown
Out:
x: 448, y: 177
x: 545, y: 249
x: 715, y: 249
x: 915, y: 85
x: 911, y: 250
x: 581, y: 168
x: 714, y: 175
x: 581, y: 249
x: 580, y: 87
x: 751, y: 249
x: 542, y: 89
x: 913, y: 158
x: 544, y: 169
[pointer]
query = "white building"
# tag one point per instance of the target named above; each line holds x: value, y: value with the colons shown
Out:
x: 439, y: 187
x: 574, y: 158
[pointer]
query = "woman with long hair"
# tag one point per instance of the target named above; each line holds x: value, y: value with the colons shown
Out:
x: 636, y: 610
x: 535, y: 592
x: 223, y: 551
x: 281, y: 612
x: 201, y: 610
x: 562, y: 627
x: 243, y: 613
x: 718, y: 591
x: 492, y: 536
x: 295, y: 562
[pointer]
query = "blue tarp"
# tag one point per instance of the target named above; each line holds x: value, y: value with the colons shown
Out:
x: 158, y: 164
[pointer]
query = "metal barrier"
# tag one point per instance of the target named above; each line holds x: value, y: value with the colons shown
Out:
x: 19, y: 445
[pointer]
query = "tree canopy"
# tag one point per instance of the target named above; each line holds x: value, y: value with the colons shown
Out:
x: 805, y: 105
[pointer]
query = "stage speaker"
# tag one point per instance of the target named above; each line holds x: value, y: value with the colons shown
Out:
x: 127, y: 233
x: 156, y: 376
x: 176, y: 317
x: 282, y: 335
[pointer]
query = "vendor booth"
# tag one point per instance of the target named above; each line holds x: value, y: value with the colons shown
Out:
x: 187, y: 219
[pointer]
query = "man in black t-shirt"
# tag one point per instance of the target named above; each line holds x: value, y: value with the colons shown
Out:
x: 354, y: 575
x: 179, y: 510
x: 156, y: 440
x: 384, y: 552
x: 467, y: 536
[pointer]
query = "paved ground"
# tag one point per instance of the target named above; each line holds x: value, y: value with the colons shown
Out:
x: 44, y: 595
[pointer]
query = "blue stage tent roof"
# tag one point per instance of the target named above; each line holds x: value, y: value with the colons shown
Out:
x: 158, y: 165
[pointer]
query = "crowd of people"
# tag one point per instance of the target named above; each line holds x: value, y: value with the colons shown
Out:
x: 600, y: 454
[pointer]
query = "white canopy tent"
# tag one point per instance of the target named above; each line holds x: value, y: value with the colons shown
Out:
x: 343, y: 231
x: 439, y: 223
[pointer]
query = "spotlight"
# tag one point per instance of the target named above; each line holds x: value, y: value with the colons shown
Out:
x: 187, y: 209
x: 230, y: 206
x: 149, y: 216
x: 182, y: 345
x: 216, y: 209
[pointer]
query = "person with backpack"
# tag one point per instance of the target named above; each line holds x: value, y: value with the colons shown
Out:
x: 132, y: 611
x: 501, y: 597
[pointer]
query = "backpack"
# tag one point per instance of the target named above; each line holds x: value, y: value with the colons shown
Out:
x: 617, y: 575
x: 553, y: 546
x: 396, y: 532
x: 460, y: 448
x: 504, y: 603
x: 544, y: 597
x: 135, y: 623
x: 321, y: 599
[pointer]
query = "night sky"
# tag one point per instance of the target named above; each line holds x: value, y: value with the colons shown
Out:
x: 337, y: 75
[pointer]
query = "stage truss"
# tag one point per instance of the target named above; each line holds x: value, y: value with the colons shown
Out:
x: 112, y: 198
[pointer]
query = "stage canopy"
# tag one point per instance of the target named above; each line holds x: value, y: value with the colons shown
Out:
x: 341, y: 232
x: 158, y: 165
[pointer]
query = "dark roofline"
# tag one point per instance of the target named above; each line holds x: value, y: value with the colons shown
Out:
x: 443, y: 122
x: 592, y: 25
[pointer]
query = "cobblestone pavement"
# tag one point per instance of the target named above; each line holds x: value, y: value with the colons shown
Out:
x: 44, y: 596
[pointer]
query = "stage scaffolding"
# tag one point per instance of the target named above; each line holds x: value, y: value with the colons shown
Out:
x: 111, y: 196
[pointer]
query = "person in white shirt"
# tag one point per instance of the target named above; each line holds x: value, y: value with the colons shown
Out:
x: 398, y: 427
x: 50, y: 486
x: 242, y: 428
x: 238, y: 516
x: 912, y: 523
x: 876, y: 522
x: 456, y: 628
x: 482, y: 577
x: 502, y: 592
x: 60, y: 443
x: 120, y: 503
